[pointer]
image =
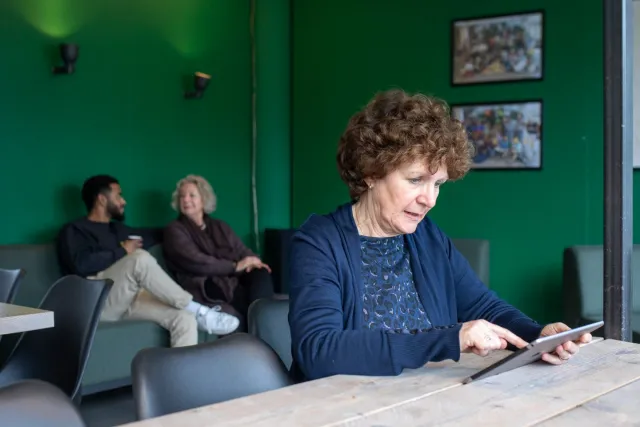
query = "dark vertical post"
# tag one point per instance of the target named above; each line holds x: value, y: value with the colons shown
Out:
x: 618, y: 167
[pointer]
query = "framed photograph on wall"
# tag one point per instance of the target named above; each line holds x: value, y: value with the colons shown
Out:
x: 505, y: 135
x: 502, y: 48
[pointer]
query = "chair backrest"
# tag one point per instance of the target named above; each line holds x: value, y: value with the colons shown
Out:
x: 583, y: 275
x: 59, y: 355
x: 168, y: 380
x: 33, y: 403
x: 268, y: 320
x: 476, y: 251
x: 10, y: 281
x: 9, y: 284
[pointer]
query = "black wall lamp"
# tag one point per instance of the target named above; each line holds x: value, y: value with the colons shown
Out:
x: 69, y: 54
x: 200, y: 82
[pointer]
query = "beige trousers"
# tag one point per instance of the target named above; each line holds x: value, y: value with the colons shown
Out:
x: 142, y: 290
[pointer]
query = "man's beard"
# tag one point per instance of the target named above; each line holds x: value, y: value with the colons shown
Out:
x: 115, y: 213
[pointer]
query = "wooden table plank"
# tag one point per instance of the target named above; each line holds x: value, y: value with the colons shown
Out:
x: 522, y: 397
x: 619, y: 407
x: 16, y: 318
x: 329, y: 400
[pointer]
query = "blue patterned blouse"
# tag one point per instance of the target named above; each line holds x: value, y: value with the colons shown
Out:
x: 390, y: 300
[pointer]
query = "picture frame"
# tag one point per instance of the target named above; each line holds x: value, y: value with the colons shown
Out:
x: 498, y: 49
x: 506, y: 135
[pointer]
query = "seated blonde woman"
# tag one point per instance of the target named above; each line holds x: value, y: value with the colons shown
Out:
x: 207, y: 258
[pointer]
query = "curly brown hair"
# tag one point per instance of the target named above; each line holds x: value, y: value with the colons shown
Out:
x: 396, y: 128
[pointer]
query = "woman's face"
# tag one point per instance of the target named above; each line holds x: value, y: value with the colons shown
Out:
x: 190, y: 200
x: 402, y: 198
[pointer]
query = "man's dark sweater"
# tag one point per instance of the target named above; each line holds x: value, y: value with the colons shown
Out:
x: 87, y: 247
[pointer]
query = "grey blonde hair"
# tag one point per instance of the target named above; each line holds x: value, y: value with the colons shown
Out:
x: 209, y: 199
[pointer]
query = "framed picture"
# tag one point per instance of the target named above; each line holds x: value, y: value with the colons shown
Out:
x: 502, y: 48
x: 505, y: 135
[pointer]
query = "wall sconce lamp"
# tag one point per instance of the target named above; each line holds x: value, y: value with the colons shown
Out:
x: 200, y: 82
x: 69, y: 54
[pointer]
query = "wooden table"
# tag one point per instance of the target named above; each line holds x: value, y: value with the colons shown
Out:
x: 16, y: 318
x: 597, y: 387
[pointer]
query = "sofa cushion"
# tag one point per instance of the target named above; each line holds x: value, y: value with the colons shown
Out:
x: 114, y: 346
x: 157, y: 253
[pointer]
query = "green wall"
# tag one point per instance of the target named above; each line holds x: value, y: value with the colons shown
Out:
x: 273, y: 114
x: 122, y: 112
x: 346, y: 51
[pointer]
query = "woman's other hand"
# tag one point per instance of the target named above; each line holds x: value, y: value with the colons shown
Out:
x: 251, y: 263
x: 481, y: 337
x: 565, y: 351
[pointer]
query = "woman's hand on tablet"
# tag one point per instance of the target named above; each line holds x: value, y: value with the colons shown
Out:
x: 482, y: 337
x: 565, y: 351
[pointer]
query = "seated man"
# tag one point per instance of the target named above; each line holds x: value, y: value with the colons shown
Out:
x: 100, y: 246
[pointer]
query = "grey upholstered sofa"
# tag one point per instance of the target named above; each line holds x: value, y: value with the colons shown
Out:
x: 115, y: 343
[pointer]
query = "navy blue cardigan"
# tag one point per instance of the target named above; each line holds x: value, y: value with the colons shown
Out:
x: 325, y: 313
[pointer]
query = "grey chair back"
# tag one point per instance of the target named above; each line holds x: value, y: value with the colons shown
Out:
x: 583, y: 298
x: 168, y: 380
x: 59, y: 355
x: 34, y: 403
x: 9, y: 284
x: 476, y: 251
x: 269, y: 320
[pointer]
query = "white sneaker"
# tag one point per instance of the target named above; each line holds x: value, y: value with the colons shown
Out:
x: 215, y: 322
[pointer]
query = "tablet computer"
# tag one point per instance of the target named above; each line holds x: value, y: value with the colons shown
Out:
x: 533, y: 351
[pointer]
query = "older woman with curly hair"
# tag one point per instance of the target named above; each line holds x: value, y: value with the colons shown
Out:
x: 376, y: 286
x: 207, y: 258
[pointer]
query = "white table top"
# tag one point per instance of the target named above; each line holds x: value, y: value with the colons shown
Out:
x: 16, y: 319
